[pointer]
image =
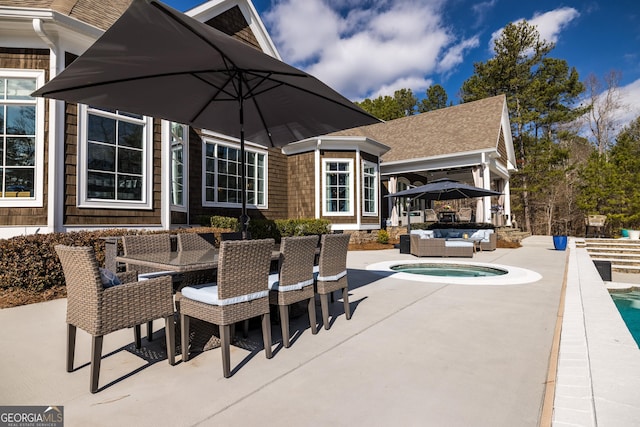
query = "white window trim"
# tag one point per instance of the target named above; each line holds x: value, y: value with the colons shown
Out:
x: 217, y: 142
x: 37, y: 201
x: 81, y: 180
x: 352, y: 189
x: 185, y: 171
x: 376, y: 186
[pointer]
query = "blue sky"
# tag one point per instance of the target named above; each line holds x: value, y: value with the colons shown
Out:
x: 366, y: 48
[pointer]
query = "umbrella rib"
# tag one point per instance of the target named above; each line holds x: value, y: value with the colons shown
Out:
x: 189, y: 28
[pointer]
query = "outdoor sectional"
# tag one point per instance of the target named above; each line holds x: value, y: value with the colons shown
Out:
x: 487, y: 236
x: 451, y: 242
x: 422, y: 244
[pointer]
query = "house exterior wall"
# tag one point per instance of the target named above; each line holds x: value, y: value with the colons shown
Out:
x: 233, y: 23
x: 502, y: 150
x: 302, y: 191
x: 27, y: 59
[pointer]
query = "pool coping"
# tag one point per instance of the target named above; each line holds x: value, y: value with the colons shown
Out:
x: 598, y: 374
x: 515, y: 275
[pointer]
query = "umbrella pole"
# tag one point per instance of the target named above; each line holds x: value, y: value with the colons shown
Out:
x: 244, y: 218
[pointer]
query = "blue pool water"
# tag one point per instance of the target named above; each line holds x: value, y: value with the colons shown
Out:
x: 628, y: 304
x: 449, y: 270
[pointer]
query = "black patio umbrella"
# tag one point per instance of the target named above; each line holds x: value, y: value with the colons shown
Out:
x: 445, y: 189
x: 158, y: 62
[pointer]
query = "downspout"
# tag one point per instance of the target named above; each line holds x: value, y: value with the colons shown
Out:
x: 317, y: 180
x: 357, y: 185
x: 55, y: 199
x: 165, y: 171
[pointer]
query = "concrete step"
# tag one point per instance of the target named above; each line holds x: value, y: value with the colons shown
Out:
x: 615, y: 253
x: 625, y: 268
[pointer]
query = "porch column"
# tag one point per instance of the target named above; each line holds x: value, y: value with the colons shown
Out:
x: 476, y: 171
x: 392, y: 205
x: 486, y: 181
x: 507, y: 202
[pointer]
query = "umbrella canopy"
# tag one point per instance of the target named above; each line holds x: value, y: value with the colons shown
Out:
x: 158, y: 62
x: 445, y: 189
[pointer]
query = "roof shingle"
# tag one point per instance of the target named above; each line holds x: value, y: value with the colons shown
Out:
x: 465, y: 127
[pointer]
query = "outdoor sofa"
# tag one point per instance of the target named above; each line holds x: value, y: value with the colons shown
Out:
x: 423, y: 244
x: 486, y: 236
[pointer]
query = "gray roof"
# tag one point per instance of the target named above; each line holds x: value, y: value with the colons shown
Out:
x: 100, y: 13
x: 471, y: 126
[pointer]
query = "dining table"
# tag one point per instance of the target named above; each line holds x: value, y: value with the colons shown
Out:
x: 180, y: 261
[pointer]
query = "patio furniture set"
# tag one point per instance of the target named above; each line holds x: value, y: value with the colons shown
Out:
x: 451, y: 242
x: 224, y: 286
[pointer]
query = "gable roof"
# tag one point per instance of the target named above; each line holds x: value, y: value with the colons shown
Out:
x: 468, y: 127
x: 99, y: 13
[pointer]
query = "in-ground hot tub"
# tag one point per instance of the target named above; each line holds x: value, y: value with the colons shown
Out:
x: 455, y: 272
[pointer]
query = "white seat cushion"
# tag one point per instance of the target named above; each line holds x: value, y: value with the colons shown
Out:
x: 316, y: 275
x: 274, y: 284
x: 208, y: 294
x: 154, y: 274
x: 458, y: 243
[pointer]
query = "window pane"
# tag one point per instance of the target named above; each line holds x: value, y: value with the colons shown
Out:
x: 102, y: 129
x: 21, y: 152
x: 2, y: 108
x: 19, y: 182
x: 129, y: 161
x: 21, y: 120
x: 2, y: 87
x: 20, y: 88
x: 101, y: 186
x: 211, y: 180
x: 129, y: 187
x: 130, y: 134
x: 101, y: 157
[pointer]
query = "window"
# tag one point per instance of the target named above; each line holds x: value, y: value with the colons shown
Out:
x: 179, y: 135
x: 338, y: 184
x: 114, y: 159
x: 370, y: 188
x: 21, y: 138
x: 222, y: 176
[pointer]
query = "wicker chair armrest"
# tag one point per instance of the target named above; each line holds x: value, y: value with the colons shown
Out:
x: 135, y: 303
x: 128, y: 276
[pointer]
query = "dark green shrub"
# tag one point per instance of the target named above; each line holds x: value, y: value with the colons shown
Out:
x: 30, y: 262
x: 225, y: 222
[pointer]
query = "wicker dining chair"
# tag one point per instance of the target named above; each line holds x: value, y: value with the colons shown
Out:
x: 331, y: 272
x: 294, y: 280
x: 241, y: 292
x: 100, y: 310
x: 196, y: 242
x: 465, y: 214
x: 144, y: 244
x: 148, y: 243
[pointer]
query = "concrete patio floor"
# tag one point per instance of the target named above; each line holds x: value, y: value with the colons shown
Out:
x: 412, y: 354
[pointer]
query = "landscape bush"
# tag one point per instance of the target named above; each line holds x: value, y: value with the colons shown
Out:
x: 31, y: 263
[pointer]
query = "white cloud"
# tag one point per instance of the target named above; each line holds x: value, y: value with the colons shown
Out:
x: 363, y: 48
x: 630, y: 99
x: 548, y: 24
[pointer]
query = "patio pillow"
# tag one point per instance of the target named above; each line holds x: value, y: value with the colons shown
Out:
x: 437, y: 233
x: 108, y: 278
